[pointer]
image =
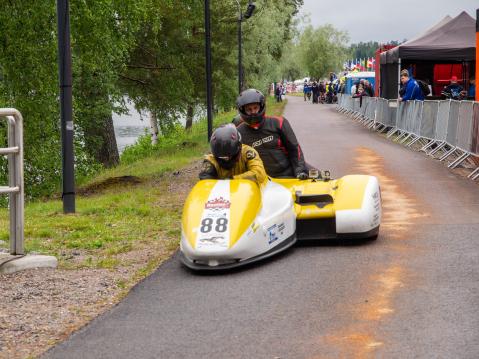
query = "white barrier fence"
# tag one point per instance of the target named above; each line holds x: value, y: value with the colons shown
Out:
x: 447, y: 130
x: 14, y: 151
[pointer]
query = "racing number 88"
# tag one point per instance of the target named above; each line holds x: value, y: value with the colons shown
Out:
x: 207, y: 225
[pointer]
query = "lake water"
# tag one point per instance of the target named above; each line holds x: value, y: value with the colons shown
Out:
x: 130, y: 126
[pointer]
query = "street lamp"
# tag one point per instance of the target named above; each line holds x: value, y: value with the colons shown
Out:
x: 209, y: 96
x: 247, y: 15
x: 66, y: 112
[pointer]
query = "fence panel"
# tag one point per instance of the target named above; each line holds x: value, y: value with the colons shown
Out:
x: 401, y: 115
x: 356, y: 104
x: 349, y: 103
x: 417, y: 117
x: 371, y: 111
x: 475, y: 129
x: 364, y: 103
x: 408, y: 121
x: 429, y: 117
x: 392, y: 118
x: 464, y: 126
x: 382, y: 112
x: 442, y: 120
x: 452, y: 122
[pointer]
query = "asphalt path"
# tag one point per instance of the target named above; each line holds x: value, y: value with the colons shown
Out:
x: 412, y: 293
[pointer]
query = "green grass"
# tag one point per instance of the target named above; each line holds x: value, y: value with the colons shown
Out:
x: 122, y: 210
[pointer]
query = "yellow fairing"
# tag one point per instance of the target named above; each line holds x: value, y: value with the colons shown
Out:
x: 245, y: 199
x: 193, y: 209
x: 245, y: 205
x: 347, y: 193
x: 350, y: 192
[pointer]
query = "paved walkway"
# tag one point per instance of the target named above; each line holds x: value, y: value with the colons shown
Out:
x: 412, y: 293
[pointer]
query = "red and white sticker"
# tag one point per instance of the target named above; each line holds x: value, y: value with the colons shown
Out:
x: 214, y: 230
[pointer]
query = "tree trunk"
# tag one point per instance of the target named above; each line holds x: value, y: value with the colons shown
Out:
x: 109, y: 151
x: 101, y: 141
x: 153, y: 128
x: 189, y: 117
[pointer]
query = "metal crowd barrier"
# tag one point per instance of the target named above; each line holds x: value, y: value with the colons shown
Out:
x: 15, y: 190
x: 444, y: 129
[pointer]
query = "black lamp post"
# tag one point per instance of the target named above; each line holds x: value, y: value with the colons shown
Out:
x: 209, y: 97
x: 209, y: 92
x: 247, y: 15
x: 65, y: 76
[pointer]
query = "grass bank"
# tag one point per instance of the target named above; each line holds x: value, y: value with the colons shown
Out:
x: 126, y: 211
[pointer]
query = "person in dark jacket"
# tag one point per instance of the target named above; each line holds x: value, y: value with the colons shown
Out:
x: 315, y: 91
x: 453, y: 90
x: 322, y: 92
x: 368, y: 88
x: 279, y: 92
x: 272, y: 137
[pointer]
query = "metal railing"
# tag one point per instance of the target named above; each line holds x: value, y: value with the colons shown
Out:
x: 445, y: 129
x: 15, y: 189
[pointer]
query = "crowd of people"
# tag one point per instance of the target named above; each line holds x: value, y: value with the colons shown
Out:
x: 322, y: 91
x: 415, y: 89
x: 327, y: 90
x: 362, y: 88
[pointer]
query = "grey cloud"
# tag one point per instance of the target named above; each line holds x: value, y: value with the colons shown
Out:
x: 382, y: 21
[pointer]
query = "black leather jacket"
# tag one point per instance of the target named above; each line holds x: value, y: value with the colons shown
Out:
x: 277, y: 146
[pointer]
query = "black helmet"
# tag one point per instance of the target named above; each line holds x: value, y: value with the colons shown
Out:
x: 247, y: 97
x: 226, y: 145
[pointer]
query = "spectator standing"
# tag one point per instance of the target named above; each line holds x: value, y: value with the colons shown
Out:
x: 354, y: 88
x: 322, y: 92
x: 368, y: 88
x: 412, y: 89
x: 453, y: 90
x: 307, y: 91
x: 361, y: 92
x: 428, y: 82
x: 472, y: 88
x: 279, y: 93
x: 315, y: 91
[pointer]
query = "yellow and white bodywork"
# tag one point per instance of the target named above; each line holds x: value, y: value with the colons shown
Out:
x: 227, y: 223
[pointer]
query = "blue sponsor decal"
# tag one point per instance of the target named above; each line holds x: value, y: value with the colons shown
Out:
x: 272, y: 237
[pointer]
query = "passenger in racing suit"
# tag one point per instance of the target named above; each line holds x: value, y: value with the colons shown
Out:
x: 272, y: 137
x: 230, y: 159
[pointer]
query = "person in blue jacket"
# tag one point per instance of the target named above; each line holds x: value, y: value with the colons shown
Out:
x: 471, y: 94
x: 307, y: 89
x: 412, y: 89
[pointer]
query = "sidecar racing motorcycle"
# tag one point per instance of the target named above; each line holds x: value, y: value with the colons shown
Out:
x: 229, y: 223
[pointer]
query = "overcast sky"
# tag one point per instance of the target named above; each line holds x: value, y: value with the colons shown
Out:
x: 384, y: 20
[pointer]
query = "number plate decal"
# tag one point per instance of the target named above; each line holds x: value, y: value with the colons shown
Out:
x: 214, y: 230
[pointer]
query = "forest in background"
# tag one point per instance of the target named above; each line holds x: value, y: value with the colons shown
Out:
x: 150, y: 51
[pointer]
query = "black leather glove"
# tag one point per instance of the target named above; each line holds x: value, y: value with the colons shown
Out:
x: 302, y: 176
